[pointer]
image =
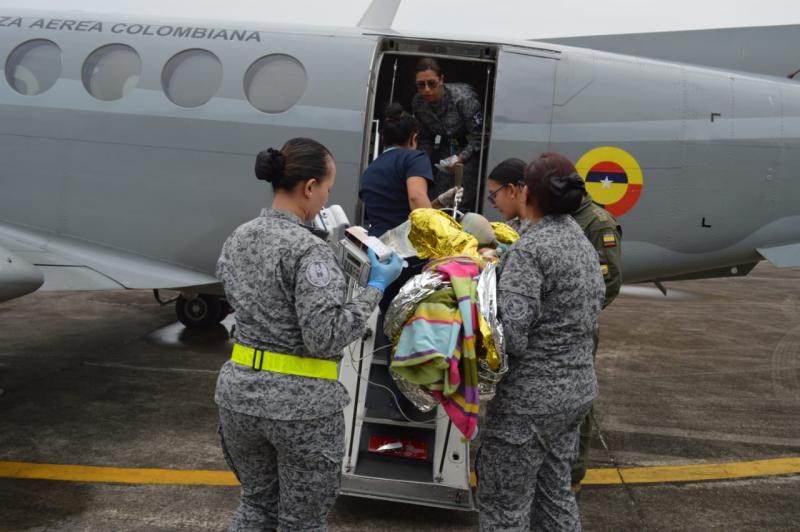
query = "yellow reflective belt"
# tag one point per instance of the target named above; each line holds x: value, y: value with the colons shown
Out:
x: 289, y: 364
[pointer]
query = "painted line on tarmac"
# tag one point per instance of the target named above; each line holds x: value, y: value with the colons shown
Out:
x: 693, y: 472
x: 121, y: 475
x: 598, y: 477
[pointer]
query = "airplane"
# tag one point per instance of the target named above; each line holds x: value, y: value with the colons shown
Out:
x: 128, y: 144
x: 127, y: 149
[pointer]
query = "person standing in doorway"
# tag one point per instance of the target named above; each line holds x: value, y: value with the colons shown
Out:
x: 451, y: 128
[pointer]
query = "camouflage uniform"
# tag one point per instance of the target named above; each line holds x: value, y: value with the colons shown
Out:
x: 283, y: 435
x: 605, y: 234
x: 549, y: 293
x: 456, y: 122
x: 520, y: 225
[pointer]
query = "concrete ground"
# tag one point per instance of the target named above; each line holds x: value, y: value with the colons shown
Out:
x: 710, y: 373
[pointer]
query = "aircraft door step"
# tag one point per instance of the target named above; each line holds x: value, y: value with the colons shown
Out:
x: 393, y: 451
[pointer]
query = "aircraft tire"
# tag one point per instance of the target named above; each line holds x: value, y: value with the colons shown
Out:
x: 199, y: 312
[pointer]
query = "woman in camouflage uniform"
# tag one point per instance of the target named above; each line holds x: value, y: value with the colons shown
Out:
x: 504, y: 189
x: 550, y: 291
x: 280, y: 402
x: 451, y: 128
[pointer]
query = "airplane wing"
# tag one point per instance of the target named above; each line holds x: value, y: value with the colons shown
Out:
x: 17, y: 276
x: 30, y: 260
x: 787, y: 256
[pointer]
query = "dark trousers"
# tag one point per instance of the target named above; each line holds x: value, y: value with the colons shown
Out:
x: 582, y: 462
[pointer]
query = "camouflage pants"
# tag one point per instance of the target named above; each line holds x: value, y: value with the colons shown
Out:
x: 523, y: 470
x: 289, y: 470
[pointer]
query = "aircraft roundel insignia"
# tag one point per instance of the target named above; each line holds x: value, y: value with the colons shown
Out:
x: 613, y: 178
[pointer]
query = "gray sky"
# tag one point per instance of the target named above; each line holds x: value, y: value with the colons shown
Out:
x: 508, y: 18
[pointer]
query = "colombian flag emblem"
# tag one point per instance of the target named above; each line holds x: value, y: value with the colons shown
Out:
x: 613, y: 178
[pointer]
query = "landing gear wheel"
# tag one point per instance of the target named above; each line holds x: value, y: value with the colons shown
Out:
x: 200, y: 312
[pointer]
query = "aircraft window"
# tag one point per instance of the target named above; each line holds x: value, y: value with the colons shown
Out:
x: 190, y: 78
x: 275, y: 83
x: 34, y: 66
x: 111, y: 72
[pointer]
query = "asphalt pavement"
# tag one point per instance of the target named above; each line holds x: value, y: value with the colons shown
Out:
x: 707, y: 376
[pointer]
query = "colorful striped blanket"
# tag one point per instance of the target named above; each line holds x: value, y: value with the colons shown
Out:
x: 437, y: 345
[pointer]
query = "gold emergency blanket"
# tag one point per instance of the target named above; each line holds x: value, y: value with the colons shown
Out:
x: 435, y: 234
x: 504, y: 233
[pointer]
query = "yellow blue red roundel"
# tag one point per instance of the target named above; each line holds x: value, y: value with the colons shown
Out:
x: 613, y: 178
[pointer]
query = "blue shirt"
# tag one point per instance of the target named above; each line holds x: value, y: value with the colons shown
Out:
x: 383, y: 187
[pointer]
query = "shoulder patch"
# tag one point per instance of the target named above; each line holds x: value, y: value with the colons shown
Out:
x: 318, y: 274
x: 515, y: 308
x: 609, y: 240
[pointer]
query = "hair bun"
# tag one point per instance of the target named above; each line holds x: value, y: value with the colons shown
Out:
x: 560, y: 185
x: 394, y: 111
x: 269, y: 165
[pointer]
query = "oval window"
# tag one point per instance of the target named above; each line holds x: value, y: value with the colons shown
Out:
x: 34, y: 66
x: 190, y: 78
x: 111, y: 72
x: 275, y: 83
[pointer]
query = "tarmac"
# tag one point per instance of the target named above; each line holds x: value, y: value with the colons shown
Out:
x: 698, y: 417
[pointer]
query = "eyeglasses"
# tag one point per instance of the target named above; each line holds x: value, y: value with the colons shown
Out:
x: 493, y: 193
x: 430, y: 83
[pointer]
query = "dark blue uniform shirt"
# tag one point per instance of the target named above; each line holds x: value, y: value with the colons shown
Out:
x: 383, y: 187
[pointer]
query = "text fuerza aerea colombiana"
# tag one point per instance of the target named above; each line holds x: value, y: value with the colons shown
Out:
x: 150, y: 30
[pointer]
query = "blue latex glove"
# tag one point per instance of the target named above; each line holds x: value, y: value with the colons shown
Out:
x: 383, y: 274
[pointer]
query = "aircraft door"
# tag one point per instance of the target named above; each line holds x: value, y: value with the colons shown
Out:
x: 394, y: 82
x: 523, y: 108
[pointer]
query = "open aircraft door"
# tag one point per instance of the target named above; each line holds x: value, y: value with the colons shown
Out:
x: 523, y: 107
x: 392, y: 450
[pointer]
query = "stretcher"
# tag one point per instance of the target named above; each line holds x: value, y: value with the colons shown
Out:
x: 392, y: 451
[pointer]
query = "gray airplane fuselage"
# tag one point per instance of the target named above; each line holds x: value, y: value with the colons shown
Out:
x: 767, y: 50
x: 151, y: 189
